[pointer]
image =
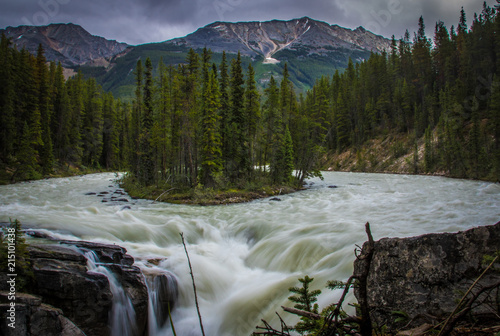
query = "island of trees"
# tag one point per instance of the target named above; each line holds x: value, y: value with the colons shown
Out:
x: 202, y: 126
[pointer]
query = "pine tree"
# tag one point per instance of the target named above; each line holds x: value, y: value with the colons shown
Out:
x: 211, y: 153
x: 44, y: 105
x: 147, y: 164
x: 272, y: 121
x: 305, y: 299
x: 8, y: 130
x: 92, y: 124
x: 136, y: 122
x: 238, y: 164
x: 224, y: 111
x: 252, y: 110
x: 27, y: 168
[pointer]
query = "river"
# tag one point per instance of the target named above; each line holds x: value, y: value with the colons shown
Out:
x: 246, y: 256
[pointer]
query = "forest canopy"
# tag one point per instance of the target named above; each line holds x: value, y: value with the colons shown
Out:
x: 206, y: 125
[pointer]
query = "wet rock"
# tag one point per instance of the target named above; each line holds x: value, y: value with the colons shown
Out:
x: 35, y: 318
x: 107, y: 253
x: 156, y: 261
x: 275, y: 199
x: 63, y: 280
x: 121, y: 200
x: 425, y: 276
x: 165, y: 289
x: 104, y: 193
x: 38, y: 234
x: 126, y: 207
x: 333, y: 187
x: 90, y: 193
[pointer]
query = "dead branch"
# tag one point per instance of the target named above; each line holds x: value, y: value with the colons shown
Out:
x: 194, y: 284
x: 270, y: 330
x: 456, y: 315
x: 166, y: 191
x: 365, y: 326
x: 303, y: 313
x: 332, y: 322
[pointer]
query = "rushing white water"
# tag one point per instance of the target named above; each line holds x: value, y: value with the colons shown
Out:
x: 246, y: 256
x: 122, y: 315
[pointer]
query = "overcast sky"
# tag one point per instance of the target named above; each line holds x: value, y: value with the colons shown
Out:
x: 142, y: 21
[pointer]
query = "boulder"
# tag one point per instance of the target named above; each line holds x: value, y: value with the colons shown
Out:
x: 63, y: 280
x: 33, y: 318
x: 425, y: 276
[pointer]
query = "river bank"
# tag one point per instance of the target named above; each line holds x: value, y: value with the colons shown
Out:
x: 396, y: 154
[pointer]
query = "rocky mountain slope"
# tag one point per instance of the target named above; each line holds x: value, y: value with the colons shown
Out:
x: 69, y: 44
x: 268, y: 38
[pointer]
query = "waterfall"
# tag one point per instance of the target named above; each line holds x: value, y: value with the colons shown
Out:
x: 162, y: 289
x: 122, y: 316
x: 246, y: 256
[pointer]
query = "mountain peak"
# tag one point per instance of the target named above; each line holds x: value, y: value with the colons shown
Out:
x: 67, y: 43
x: 255, y: 38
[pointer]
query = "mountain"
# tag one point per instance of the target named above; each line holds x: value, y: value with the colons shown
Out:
x: 69, y: 44
x: 303, y: 35
x: 310, y: 48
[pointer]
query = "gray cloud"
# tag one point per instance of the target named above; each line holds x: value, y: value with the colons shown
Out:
x: 142, y: 21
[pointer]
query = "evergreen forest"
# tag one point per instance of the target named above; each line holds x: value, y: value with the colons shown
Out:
x: 207, y: 125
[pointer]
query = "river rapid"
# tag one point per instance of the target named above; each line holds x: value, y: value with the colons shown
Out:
x: 246, y: 256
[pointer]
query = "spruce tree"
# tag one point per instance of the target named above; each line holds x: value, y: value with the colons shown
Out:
x: 211, y: 152
x: 44, y: 104
x: 147, y: 164
x: 305, y: 299
x: 252, y: 110
x: 224, y: 111
x: 136, y: 122
x: 8, y: 130
x: 238, y: 161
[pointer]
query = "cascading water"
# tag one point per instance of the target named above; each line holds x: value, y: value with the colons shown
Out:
x: 122, y: 315
x: 246, y: 256
x: 162, y: 287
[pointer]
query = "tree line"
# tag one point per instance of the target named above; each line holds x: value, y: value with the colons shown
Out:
x: 47, y: 122
x: 193, y: 124
x: 204, y: 124
x: 444, y: 93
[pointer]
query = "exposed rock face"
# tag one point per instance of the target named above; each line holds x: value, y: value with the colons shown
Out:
x: 267, y: 38
x: 425, y: 276
x: 34, y: 318
x: 63, y: 280
x: 69, y: 44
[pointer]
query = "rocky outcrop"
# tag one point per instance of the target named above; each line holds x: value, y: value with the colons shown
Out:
x: 85, y: 297
x: 32, y: 317
x: 72, y: 294
x: 69, y: 44
x: 425, y: 276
